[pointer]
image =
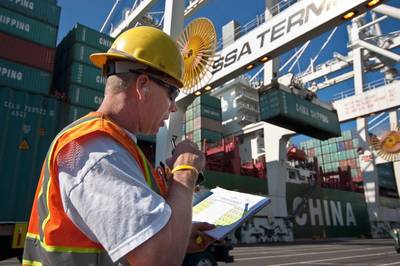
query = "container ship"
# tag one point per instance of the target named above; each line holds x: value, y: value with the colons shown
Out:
x: 329, y: 182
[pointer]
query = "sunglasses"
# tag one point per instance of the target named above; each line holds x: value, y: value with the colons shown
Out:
x: 173, y: 91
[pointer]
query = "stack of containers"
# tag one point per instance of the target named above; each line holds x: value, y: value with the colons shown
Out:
x: 336, y: 152
x: 28, y: 115
x: 203, y: 120
x: 28, y: 34
x: 75, y: 76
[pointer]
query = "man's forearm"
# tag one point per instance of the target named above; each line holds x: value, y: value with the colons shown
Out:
x: 179, y: 198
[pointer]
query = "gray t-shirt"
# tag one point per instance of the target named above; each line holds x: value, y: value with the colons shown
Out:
x: 105, y: 194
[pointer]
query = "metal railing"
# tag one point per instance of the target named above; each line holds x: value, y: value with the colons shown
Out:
x: 368, y: 86
x: 257, y: 21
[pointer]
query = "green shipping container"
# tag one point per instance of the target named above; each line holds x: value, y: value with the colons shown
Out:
x: 332, y: 148
x: 292, y: 112
x: 37, y: 9
x: 85, y: 97
x: 69, y: 113
x: 23, y: 77
x: 335, y: 157
x: 356, y: 143
x: 29, y: 123
x: 346, y: 135
x: 27, y: 28
x: 89, y: 37
x: 79, y: 52
x: 86, y: 76
x: 207, y: 100
x: 327, y: 212
x: 207, y: 111
x: 201, y: 134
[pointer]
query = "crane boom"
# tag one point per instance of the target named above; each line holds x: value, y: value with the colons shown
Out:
x: 290, y: 28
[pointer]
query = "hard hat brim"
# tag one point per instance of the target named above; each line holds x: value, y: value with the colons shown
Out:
x: 100, y: 59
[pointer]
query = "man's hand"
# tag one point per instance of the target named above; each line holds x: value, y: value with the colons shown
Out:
x: 197, y: 231
x: 187, y: 153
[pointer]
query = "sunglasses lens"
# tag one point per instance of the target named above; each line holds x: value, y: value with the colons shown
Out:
x: 174, y: 93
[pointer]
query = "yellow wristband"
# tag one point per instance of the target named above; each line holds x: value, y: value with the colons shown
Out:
x: 185, y: 167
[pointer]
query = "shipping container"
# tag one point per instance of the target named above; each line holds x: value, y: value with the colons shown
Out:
x: 346, y: 135
x: 90, y: 37
x: 23, y: 77
x: 29, y: 123
x: 81, y: 74
x: 189, y: 114
x: 80, y: 53
x: 325, y: 149
x: 207, y: 123
x: 356, y: 143
x: 85, y: 97
x: 287, y: 110
x: 326, y: 158
x: 335, y: 157
x: 27, y: 28
x: 27, y: 53
x: 77, y: 53
x: 341, y: 146
x: 348, y: 144
x: 37, y: 9
x: 207, y: 111
x: 69, y: 113
x: 342, y: 155
x: 207, y: 100
x: 200, y: 134
x: 333, y: 148
x: 189, y: 126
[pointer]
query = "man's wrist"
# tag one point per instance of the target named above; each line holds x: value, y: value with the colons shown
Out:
x: 186, y: 177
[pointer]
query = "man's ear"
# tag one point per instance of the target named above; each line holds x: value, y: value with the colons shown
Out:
x: 142, y: 83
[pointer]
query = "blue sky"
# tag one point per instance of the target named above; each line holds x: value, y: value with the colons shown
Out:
x: 93, y: 14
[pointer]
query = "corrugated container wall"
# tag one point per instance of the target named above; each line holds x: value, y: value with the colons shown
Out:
x: 203, y: 120
x: 26, y: 28
x: 36, y: 9
x: 75, y: 75
x: 70, y: 113
x: 23, y: 77
x: 337, y: 152
x: 29, y: 123
x: 27, y: 53
x: 28, y: 34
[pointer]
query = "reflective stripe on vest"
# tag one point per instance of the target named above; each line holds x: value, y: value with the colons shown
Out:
x: 49, y: 238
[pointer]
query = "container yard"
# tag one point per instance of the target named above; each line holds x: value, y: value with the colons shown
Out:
x: 320, y: 141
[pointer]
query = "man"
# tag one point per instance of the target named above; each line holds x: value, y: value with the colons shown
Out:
x: 99, y: 201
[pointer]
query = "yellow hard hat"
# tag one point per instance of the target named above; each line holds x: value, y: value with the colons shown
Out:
x: 147, y: 45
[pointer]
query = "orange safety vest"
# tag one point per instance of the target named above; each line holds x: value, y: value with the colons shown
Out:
x: 52, y: 237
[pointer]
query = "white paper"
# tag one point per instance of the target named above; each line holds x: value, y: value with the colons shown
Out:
x: 227, y: 210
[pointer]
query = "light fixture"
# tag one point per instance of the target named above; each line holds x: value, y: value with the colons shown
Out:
x: 264, y: 59
x: 349, y: 15
x: 207, y: 88
x: 197, y: 93
x: 250, y: 66
x: 373, y: 3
